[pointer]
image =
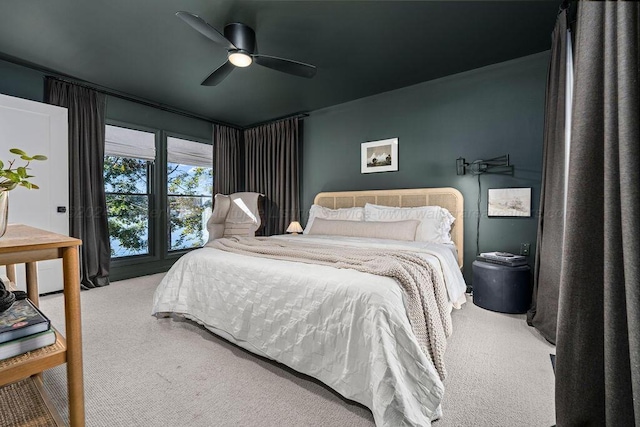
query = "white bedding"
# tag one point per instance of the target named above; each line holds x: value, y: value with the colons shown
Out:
x: 348, y: 329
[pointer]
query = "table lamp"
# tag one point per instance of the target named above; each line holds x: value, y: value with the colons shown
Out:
x: 294, y: 228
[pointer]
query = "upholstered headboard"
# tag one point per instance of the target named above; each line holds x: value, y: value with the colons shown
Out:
x: 446, y: 197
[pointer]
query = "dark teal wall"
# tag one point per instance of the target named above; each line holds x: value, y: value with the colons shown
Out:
x: 478, y: 114
x: 130, y: 112
x: 23, y: 82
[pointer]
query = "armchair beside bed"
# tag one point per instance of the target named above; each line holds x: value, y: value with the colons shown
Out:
x: 237, y: 214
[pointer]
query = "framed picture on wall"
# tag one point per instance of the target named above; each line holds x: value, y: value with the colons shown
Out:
x: 507, y: 202
x: 379, y: 156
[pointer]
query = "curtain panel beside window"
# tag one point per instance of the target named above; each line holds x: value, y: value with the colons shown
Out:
x: 227, y: 143
x: 88, y: 212
x: 272, y: 168
x: 598, y: 338
x: 548, y: 259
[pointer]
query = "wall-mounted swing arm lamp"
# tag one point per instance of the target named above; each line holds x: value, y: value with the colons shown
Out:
x: 497, y: 165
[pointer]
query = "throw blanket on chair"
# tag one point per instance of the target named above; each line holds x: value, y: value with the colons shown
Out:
x: 426, y: 296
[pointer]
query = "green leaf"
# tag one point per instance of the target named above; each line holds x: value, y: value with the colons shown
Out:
x: 22, y: 172
x: 17, y: 151
x: 12, y: 176
x: 39, y: 157
x: 1, y: 164
x: 26, y: 158
x: 34, y: 187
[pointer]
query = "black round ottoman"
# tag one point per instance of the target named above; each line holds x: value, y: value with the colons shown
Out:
x: 501, y: 288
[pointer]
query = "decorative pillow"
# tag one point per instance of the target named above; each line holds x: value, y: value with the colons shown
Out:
x: 435, y: 221
x: 396, y: 230
x: 342, y: 214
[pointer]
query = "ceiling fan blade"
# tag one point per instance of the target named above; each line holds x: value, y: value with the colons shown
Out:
x: 288, y: 66
x: 219, y: 74
x: 205, y: 29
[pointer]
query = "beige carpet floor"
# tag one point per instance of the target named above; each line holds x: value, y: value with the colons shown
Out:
x: 143, y: 371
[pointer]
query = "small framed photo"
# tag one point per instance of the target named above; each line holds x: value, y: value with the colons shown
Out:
x: 379, y: 156
x: 507, y: 202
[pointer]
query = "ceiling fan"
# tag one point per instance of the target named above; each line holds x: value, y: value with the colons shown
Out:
x: 240, y: 42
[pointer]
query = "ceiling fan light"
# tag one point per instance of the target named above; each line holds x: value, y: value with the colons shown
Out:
x: 240, y: 59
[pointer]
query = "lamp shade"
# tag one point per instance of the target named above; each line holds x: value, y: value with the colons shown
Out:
x: 294, y: 228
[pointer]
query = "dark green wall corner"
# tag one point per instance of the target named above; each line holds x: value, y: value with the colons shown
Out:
x: 477, y: 114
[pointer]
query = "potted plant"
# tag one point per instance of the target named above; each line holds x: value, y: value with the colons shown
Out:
x: 11, y: 177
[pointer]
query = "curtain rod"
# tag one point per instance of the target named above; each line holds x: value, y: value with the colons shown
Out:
x: 298, y: 115
x: 137, y: 100
x: 111, y: 92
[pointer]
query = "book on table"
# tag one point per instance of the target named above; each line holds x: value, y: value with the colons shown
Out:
x: 25, y: 344
x: 502, y: 258
x: 20, y: 320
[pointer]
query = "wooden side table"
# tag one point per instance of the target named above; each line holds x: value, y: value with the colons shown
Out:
x: 24, y: 244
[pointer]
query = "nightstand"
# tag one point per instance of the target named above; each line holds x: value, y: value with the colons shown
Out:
x: 24, y: 244
x: 501, y: 288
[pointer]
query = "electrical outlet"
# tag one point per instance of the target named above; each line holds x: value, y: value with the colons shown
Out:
x: 525, y: 249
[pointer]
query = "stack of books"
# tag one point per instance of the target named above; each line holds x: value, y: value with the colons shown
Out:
x: 502, y: 258
x: 24, y: 328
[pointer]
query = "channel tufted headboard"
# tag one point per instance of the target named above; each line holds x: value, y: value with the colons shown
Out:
x: 446, y: 197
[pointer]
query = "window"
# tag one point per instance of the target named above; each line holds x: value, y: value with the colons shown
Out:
x: 128, y: 163
x: 189, y: 192
x: 159, y: 195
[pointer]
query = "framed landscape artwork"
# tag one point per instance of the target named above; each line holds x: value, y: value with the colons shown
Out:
x: 509, y: 202
x: 379, y: 156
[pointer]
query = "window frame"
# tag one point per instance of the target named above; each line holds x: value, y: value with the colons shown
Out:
x: 167, y: 252
x: 152, y: 187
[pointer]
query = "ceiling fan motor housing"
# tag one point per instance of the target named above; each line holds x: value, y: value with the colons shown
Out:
x: 242, y: 37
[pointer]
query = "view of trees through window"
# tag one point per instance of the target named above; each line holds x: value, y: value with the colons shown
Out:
x: 189, y: 190
x: 129, y: 193
x: 126, y: 184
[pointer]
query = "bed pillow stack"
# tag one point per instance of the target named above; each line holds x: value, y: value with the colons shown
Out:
x: 435, y: 221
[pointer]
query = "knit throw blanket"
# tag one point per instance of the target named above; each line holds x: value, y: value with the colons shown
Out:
x: 426, y: 296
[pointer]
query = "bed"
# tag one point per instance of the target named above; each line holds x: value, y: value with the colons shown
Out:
x: 352, y: 330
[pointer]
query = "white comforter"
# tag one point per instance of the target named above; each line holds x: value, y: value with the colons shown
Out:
x: 347, y: 329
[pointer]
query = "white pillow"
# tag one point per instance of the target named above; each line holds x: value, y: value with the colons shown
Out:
x: 435, y: 221
x: 396, y: 230
x: 343, y: 214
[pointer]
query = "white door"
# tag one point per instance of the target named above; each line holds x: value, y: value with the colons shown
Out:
x: 38, y: 128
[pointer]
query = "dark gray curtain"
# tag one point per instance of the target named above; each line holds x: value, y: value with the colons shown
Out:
x: 598, y: 346
x: 271, y: 168
x: 87, y: 213
x: 544, y: 308
x: 227, y: 142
